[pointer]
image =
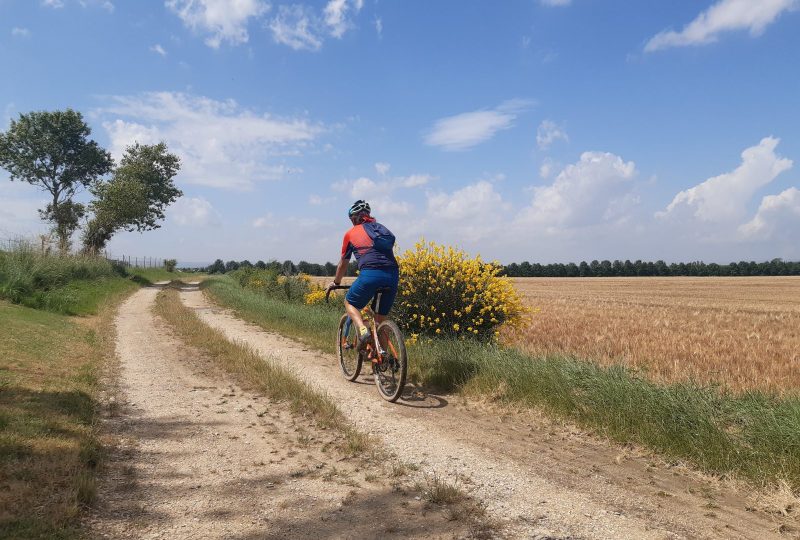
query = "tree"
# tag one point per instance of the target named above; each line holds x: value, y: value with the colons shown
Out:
x: 52, y: 150
x: 217, y: 268
x: 136, y: 196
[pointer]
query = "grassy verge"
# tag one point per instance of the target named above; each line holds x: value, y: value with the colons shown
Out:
x: 49, y: 447
x: 254, y: 372
x: 754, y: 435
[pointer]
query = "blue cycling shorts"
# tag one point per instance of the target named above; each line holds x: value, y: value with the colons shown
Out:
x: 369, y: 280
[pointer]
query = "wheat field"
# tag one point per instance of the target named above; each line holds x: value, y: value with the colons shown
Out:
x: 743, y: 333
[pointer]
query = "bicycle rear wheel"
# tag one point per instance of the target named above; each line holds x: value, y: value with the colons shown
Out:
x: 346, y: 348
x: 390, y: 372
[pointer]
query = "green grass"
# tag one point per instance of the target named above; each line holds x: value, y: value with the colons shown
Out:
x: 49, y: 448
x: 69, y: 284
x: 754, y: 435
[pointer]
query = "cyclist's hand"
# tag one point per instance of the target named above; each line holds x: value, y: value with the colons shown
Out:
x: 330, y: 286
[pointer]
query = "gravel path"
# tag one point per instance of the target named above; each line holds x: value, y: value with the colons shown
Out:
x: 196, y: 456
x: 541, y: 479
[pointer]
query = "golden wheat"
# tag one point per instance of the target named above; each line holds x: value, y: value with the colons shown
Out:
x: 743, y: 333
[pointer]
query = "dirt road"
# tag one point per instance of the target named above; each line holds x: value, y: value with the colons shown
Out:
x: 195, y: 456
x: 543, y: 480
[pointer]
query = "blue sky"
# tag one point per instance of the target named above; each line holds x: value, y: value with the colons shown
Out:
x: 542, y: 130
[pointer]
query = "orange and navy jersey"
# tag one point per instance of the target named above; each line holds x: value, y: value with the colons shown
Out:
x: 358, y: 241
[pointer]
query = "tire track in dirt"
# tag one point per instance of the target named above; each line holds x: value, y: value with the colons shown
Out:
x: 538, y: 477
x: 198, y: 457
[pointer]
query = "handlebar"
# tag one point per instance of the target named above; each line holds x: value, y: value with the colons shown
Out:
x: 334, y: 288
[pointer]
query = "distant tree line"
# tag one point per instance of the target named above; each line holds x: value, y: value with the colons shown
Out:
x: 286, y: 267
x: 775, y: 267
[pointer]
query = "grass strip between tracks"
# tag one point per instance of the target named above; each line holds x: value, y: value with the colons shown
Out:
x: 259, y: 373
x: 753, y: 435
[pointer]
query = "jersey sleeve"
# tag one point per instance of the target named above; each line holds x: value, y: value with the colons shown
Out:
x: 347, y: 246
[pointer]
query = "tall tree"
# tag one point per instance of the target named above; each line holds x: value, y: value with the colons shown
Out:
x: 137, y: 195
x: 52, y: 150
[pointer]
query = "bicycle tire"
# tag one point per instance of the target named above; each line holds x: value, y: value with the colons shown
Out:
x: 350, y: 359
x: 390, y: 374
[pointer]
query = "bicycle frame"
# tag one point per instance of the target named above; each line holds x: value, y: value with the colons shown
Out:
x: 370, y: 349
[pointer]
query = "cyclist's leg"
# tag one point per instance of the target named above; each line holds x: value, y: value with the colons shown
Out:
x: 382, y: 305
x: 359, y: 294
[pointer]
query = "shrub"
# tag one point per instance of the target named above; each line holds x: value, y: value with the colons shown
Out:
x: 26, y: 272
x: 170, y: 264
x: 270, y: 283
x: 445, y: 292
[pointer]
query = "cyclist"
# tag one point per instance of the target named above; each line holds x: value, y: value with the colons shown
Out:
x: 372, y: 244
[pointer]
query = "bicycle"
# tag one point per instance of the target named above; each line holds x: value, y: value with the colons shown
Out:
x: 386, y: 352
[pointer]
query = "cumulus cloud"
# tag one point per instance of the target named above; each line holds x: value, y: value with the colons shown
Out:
x: 724, y: 198
x: 599, y: 188
x: 56, y: 4
x: 220, y: 143
x: 382, y: 195
x: 382, y: 168
x: 778, y: 215
x: 724, y: 16
x: 555, y: 3
x: 20, y: 32
x: 466, y: 130
x: 471, y: 206
x: 222, y: 20
x: 195, y: 212
x: 548, y: 133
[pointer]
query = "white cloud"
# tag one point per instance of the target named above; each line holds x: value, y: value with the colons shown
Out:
x: 414, y: 180
x: 220, y: 143
x: 382, y: 168
x: 158, y: 49
x: 546, y: 168
x: 548, y: 133
x: 379, y: 26
x: 302, y: 28
x: 20, y: 32
x: 724, y: 16
x: 58, y: 4
x: 336, y: 15
x: 724, y: 198
x: 297, y: 27
x: 465, y: 130
x: 597, y: 189
x: 382, y: 196
x: 555, y: 3
x: 778, y: 215
x: 195, y: 212
x: 223, y: 20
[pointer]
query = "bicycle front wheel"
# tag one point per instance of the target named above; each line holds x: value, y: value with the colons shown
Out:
x: 391, y: 370
x: 347, y: 349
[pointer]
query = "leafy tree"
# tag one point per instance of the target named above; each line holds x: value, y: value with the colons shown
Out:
x: 170, y: 264
x: 136, y: 196
x: 52, y: 150
x: 217, y: 268
x: 261, y: 265
x: 231, y: 266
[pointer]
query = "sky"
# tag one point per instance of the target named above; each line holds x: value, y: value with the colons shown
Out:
x: 539, y: 130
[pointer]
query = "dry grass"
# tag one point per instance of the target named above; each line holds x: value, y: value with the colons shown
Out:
x: 743, y: 333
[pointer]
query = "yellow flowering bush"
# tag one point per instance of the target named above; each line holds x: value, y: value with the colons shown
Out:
x: 443, y: 291
x: 316, y: 295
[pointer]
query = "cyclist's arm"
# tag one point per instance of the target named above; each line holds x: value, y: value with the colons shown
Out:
x: 341, y: 270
